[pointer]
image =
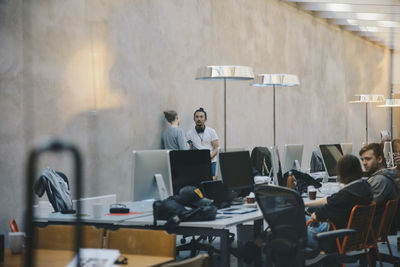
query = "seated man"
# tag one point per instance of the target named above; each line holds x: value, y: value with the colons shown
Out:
x: 381, y: 179
x: 337, y: 207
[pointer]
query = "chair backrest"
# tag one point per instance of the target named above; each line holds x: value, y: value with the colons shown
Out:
x: 283, y: 209
x: 360, y: 220
x: 143, y: 242
x: 387, y: 218
x: 62, y: 237
x: 198, y: 261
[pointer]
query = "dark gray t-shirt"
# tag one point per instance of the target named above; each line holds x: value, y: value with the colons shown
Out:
x: 173, y: 138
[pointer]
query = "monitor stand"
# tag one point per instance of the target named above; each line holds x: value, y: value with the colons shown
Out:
x: 162, y: 189
x: 326, y: 177
x: 238, y: 196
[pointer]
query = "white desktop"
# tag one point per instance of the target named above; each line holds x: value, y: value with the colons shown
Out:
x: 293, y: 155
x: 347, y: 148
x: 276, y: 166
x: 331, y: 154
x: 145, y: 164
x: 388, y: 154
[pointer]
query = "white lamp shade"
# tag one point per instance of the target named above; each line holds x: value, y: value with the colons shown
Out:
x: 225, y: 72
x: 391, y: 103
x: 368, y: 98
x: 269, y: 80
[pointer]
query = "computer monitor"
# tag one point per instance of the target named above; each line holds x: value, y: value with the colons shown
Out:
x: 145, y: 164
x: 217, y: 191
x: 236, y: 170
x: 388, y: 154
x: 189, y: 167
x: 331, y: 155
x: 276, y: 167
x: 293, y: 156
x: 221, y: 150
x: 347, y: 148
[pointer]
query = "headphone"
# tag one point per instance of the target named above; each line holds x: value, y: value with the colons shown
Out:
x: 200, y: 129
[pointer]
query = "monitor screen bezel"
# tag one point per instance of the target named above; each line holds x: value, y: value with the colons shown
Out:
x: 225, y: 177
x: 180, y: 158
x: 331, y: 172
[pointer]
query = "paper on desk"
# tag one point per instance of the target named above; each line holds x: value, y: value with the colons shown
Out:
x: 90, y: 257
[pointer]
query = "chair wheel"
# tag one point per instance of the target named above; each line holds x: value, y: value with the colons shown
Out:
x: 183, y: 241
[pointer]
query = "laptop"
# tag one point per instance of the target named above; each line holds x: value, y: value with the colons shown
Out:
x: 217, y: 191
x: 330, y: 155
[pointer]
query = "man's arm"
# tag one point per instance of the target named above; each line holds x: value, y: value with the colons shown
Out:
x: 381, y: 188
x: 215, y: 145
x: 316, y: 203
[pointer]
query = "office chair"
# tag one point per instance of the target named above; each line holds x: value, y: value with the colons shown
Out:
x: 61, y: 237
x: 196, y: 244
x: 198, y: 261
x: 286, y: 238
x: 360, y: 220
x: 382, y: 233
x: 142, y: 241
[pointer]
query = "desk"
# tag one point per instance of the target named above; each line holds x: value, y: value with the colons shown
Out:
x: 51, y: 258
x: 218, y: 227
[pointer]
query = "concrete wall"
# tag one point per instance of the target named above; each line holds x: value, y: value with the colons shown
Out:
x: 99, y: 73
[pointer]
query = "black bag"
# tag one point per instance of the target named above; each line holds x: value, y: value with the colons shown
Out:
x: 259, y: 156
x: 174, y: 212
x: 56, y: 186
x: 303, y: 180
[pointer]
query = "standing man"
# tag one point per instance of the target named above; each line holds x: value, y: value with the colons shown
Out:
x: 381, y: 179
x: 202, y: 137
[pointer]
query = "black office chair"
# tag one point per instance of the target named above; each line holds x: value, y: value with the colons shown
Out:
x: 286, y: 238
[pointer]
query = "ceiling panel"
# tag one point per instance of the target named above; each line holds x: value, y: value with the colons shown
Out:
x: 375, y: 20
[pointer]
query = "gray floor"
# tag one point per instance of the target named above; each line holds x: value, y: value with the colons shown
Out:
x: 214, y: 261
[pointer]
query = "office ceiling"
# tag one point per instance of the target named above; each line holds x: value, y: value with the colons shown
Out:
x: 375, y: 20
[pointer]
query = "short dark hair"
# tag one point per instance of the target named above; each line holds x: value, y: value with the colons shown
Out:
x: 377, y: 148
x: 170, y: 115
x: 348, y: 169
x: 200, y: 110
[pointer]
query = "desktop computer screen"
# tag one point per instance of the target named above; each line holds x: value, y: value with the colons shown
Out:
x: 189, y: 167
x: 145, y: 164
x: 236, y: 169
x: 347, y: 148
x: 292, y: 154
x: 331, y: 155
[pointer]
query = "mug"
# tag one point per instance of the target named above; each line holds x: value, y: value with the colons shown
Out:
x: 312, y: 193
x: 98, y: 210
x: 16, y: 241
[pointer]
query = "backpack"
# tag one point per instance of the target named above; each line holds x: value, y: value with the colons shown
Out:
x: 261, y: 160
x: 174, y: 212
x: 56, y: 186
x: 303, y: 180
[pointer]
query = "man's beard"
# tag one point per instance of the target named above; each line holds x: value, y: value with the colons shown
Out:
x: 372, y: 170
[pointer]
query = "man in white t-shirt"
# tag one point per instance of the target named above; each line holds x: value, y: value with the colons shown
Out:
x: 202, y: 137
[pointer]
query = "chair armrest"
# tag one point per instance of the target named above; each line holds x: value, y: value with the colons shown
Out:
x: 335, y: 234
